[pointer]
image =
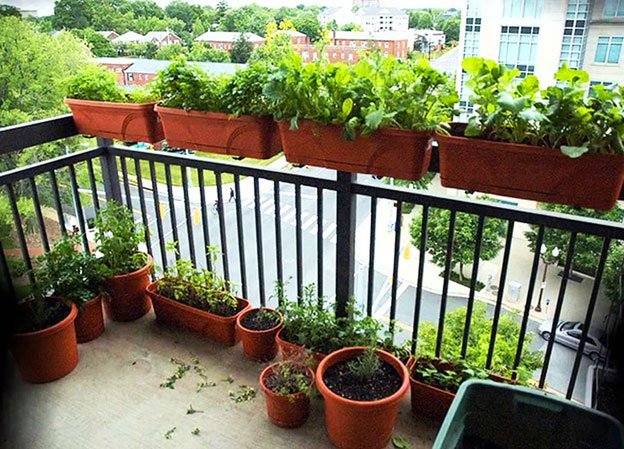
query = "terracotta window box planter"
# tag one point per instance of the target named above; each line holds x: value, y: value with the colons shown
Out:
x: 90, y: 320
x: 212, y: 132
x: 217, y: 328
x: 48, y: 354
x: 258, y: 345
x: 534, y: 173
x: 123, y: 121
x: 126, y: 299
x: 293, y: 351
x: 397, y: 153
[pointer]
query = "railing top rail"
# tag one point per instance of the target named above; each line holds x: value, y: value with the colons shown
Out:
x: 24, y: 135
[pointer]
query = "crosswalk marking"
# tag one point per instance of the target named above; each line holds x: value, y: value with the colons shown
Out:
x: 329, y: 229
x: 309, y: 222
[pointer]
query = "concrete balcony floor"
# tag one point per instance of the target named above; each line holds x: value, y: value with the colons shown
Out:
x: 113, y: 399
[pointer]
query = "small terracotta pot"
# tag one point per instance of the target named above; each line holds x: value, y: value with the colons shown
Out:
x: 122, y: 121
x: 360, y: 424
x: 529, y: 172
x: 391, y: 152
x: 47, y: 354
x: 286, y: 411
x: 259, y: 346
x: 213, y: 132
x: 90, y: 320
x: 290, y: 350
x: 218, y: 328
x: 126, y: 300
x: 430, y: 401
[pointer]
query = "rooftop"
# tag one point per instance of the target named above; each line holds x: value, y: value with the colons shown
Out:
x: 160, y: 35
x: 227, y: 36
x: 363, y: 35
x: 130, y: 36
x: 154, y: 66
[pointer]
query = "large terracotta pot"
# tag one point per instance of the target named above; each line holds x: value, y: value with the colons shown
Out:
x: 218, y: 328
x: 360, y: 424
x: 259, y: 345
x: 293, y: 351
x: 47, y: 354
x: 534, y: 173
x: 391, y: 152
x: 90, y: 320
x: 123, y: 121
x: 126, y: 299
x: 288, y: 411
x: 213, y: 132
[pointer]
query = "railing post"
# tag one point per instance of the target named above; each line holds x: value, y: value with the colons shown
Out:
x: 345, y: 241
x: 110, y: 176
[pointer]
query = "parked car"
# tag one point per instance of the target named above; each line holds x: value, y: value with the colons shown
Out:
x: 569, y: 334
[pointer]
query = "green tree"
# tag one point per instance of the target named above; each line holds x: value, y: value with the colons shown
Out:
x: 169, y: 52
x: 507, y: 335
x: 613, y: 276
x: 420, y: 20
x: 198, y: 28
x: 351, y: 27
x: 308, y: 24
x: 276, y: 47
x: 72, y: 14
x: 451, y: 29
x: 146, y: 9
x: 241, y: 50
x: 587, y: 247
x: 9, y: 10
x: 463, y: 238
x: 249, y: 18
x: 201, y: 51
x: 99, y: 45
x: 185, y: 12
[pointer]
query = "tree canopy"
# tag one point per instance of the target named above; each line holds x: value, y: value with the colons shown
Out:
x: 241, y: 49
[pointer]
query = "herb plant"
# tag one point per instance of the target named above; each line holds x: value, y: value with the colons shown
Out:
x: 377, y: 92
x: 98, y: 84
x: 365, y: 365
x: 288, y: 378
x: 445, y: 375
x: 118, y: 238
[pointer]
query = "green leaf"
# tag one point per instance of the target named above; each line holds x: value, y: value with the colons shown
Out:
x: 347, y: 107
x: 531, y: 115
x: 472, y: 65
x: 373, y: 119
x: 401, y: 443
x: 507, y: 101
x: 573, y: 152
x: 294, y: 124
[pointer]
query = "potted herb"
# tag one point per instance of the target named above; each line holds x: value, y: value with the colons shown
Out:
x: 101, y: 108
x: 77, y: 278
x: 117, y: 238
x: 287, y: 386
x: 217, y: 113
x: 362, y: 388
x: 544, y: 145
x: 435, y: 382
x: 376, y: 116
x: 257, y: 328
x: 197, y: 300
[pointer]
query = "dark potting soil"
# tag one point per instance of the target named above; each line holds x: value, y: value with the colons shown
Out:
x: 26, y: 321
x: 257, y: 321
x: 473, y: 442
x: 385, y: 382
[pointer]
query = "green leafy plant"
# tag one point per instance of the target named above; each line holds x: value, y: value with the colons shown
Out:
x: 376, y: 92
x: 444, y: 374
x: 118, y: 237
x: 169, y: 433
x: 96, y: 83
x: 290, y: 377
x: 243, y: 393
x: 365, y: 365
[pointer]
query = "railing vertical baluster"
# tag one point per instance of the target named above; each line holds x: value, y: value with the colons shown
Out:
x: 298, y: 239
x: 148, y: 238
x: 527, y: 305
x: 346, y: 206
x: 447, y: 273
x: 126, y: 183
x: 172, y: 210
x: 259, y: 248
x: 241, y: 235
x: 20, y: 231
x: 422, y: 248
x: 93, y: 185
x: 42, y: 229
x: 58, y: 205
x: 371, y: 257
x: 319, y: 242
x: 473, y: 285
x: 8, y: 288
x: 395, y: 264
x: 110, y: 176
x: 224, y: 252
x: 78, y: 209
x: 278, y: 236
x: 187, y: 213
x: 159, y: 225
x: 501, y: 291
x: 559, y: 306
x: 588, y: 316
x: 204, y: 214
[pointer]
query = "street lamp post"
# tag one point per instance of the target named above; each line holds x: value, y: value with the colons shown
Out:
x: 555, y: 255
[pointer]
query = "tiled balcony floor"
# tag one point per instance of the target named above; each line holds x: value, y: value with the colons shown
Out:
x: 113, y: 399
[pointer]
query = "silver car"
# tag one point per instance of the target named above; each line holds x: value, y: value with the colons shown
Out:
x: 569, y: 333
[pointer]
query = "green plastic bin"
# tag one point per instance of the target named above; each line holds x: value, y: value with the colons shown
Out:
x: 491, y: 415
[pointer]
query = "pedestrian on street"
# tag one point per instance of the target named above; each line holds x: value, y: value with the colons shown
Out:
x: 215, y: 206
x: 232, y: 196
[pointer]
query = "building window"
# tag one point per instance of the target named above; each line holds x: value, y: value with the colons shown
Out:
x: 130, y: 76
x: 572, y: 47
x: 614, y: 8
x: 518, y: 48
x: 350, y: 56
x: 473, y: 24
x: 609, y: 49
x: 386, y: 44
x: 526, y: 9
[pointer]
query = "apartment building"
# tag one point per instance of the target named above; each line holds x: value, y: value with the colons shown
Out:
x: 224, y: 40
x: 538, y: 36
x: 369, y: 14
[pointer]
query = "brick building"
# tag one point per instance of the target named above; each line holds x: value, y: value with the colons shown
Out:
x: 118, y: 66
x: 160, y: 38
x: 223, y: 40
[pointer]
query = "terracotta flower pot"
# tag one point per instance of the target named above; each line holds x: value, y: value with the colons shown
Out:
x: 360, y: 424
x: 123, y: 121
x: 218, y: 328
x: 213, y: 132
x: 90, y: 320
x: 391, y: 152
x: 259, y: 345
x: 534, y: 173
x: 430, y: 401
x: 290, y: 350
x: 288, y: 411
x: 126, y: 300
x: 47, y: 354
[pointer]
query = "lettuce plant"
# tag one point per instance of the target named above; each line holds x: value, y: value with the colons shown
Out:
x: 98, y: 84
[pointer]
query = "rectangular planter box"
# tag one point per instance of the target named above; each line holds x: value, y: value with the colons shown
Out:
x: 212, y: 132
x: 217, y: 328
x: 533, y: 173
x: 397, y: 153
x: 123, y: 121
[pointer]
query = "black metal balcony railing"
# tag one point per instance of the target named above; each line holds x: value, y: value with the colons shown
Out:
x: 247, y: 252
